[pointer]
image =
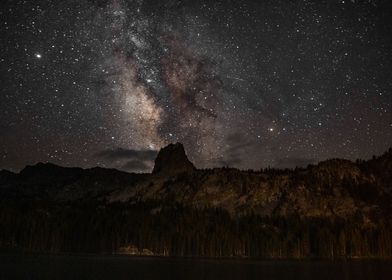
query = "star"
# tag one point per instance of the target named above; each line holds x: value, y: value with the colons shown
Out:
x: 210, y: 76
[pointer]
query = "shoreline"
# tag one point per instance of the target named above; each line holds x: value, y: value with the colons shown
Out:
x: 190, y: 258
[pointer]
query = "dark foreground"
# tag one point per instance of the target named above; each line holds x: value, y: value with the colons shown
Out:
x: 30, y: 266
x: 336, y: 208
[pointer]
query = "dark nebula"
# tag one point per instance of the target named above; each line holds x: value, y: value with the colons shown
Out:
x: 247, y: 84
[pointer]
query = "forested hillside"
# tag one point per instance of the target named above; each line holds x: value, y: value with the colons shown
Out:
x: 336, y: 208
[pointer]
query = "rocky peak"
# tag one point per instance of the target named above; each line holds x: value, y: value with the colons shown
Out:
x: 172, y: 160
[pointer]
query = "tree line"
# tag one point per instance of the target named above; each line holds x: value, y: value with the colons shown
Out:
x: 173, y: 230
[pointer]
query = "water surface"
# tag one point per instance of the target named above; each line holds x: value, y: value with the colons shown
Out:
x: 30, y: 266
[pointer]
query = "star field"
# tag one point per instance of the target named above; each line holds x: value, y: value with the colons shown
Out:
x: 247, y: 84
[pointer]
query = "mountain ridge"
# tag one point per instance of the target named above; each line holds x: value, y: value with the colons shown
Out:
x: 386, y: 154
x: 348, y: 201
x: 175, y: 176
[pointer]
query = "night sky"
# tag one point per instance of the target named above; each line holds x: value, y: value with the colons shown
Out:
x: 246, y: 84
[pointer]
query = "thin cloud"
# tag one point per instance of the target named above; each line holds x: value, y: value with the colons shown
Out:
x: 120, y: 153
x: 129, y: 159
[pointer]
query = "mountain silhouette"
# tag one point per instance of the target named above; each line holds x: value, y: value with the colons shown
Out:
x: 334, y: 208
x: 172, y: 160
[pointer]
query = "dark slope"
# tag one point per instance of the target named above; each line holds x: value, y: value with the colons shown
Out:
x: 334, y: 208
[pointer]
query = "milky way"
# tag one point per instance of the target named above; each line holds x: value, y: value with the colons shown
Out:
x: 247, y: 84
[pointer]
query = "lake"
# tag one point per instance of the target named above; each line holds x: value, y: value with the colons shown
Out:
x: 30, y: 266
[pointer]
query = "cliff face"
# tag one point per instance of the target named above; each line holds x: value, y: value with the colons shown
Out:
x: 333, y: 190
x: 172, y: 160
